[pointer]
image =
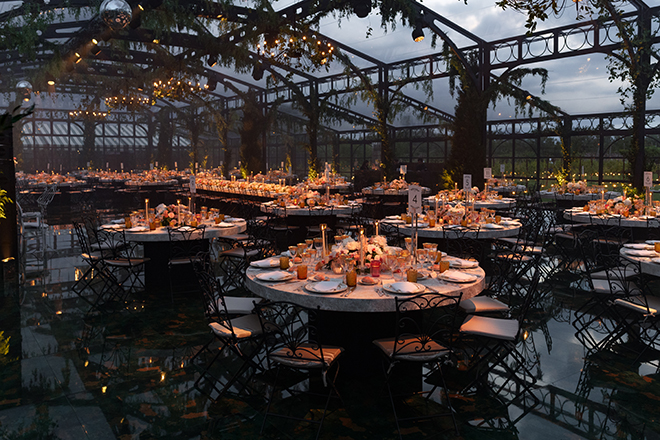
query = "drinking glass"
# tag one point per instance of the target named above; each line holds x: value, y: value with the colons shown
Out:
x: 310, y: 243
x: 318, y: 244
x: 293, y: 251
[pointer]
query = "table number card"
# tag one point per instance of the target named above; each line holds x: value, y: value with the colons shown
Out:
x: 193, y: 187
x: 648, y: 179
x: 502, y: 168
x: 467, y: 181
x: 415, y: 198
x: 488, y: 173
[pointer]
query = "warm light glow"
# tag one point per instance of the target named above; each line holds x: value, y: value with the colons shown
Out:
x: 104, y: 389
x: 51, y: 82
x: 95, y: 41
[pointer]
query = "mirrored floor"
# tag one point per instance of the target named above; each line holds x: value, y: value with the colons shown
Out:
x: 66, y: 373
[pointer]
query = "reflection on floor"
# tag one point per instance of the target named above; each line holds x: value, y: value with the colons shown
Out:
x: 65, y: 373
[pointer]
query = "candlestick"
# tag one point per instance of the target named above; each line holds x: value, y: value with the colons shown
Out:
x: 178, y: 212
x: 361, y: 237
x: 376, y: 223
x: 323, y: 228
x: 190, y: 205
x: 436, y: 204
x: 146, y: 210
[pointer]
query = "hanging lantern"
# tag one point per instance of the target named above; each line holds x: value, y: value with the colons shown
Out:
x: 116, y: 13
x: 24, y: 89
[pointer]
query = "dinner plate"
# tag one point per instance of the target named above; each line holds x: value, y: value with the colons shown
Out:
x: 652, y: 242
x: 394, y: 221
x: 492, y: 226
x: 327, y: 287
x: 266, y: 264
x: 463, y: 264
x: 137, y: 229
x: 638, y: 246
x: 274, y: 276
x: 641, y: 253
x: 455, y: 276
x: 655, y: 260
x: 224, y: 225
x: 509, y: 223
x: 404, y: 288
x: 363, y: 282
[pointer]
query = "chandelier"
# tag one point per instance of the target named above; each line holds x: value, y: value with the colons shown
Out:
x: 301, y: 51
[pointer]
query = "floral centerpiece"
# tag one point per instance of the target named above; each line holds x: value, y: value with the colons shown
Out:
x: 167, y: 215
x: 626, y: 207
x: 376, y: 248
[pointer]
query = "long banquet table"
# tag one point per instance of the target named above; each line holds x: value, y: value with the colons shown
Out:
x: 482, y: 231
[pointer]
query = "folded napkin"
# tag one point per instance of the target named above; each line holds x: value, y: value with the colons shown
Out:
x: 137, y: 229
x: 655, y: 260
x: 652, y: 242
x: 274, y: 276
x: 266, y: 263
x: 404, y: 287
x: 457, y: 277
x: 225, y: 225
x: 637, y: 246
x: 463, y: 264
x: 111, y: 226
x: 327, y: 286
x: 641, y: 253
x: 119, y: 221
x: 509, y: 223
x: 393, y: 217
x: 492, y: 226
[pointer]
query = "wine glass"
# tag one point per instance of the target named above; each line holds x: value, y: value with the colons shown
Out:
x: 309, y: 242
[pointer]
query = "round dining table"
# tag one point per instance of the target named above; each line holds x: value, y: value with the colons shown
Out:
x: 354, y: 317
x: 578, y: 215
x: 487, y: 231
x: 156, y: 245
x: 647, y: 258
x: 496, y: 204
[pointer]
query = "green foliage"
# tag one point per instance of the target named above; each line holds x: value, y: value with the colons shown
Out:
x: 4, y: 199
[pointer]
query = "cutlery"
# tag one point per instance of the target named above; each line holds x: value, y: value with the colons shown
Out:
x: 348, y: 292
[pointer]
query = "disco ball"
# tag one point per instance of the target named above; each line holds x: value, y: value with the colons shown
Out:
x: 116, y: 13
x: 24, y: 88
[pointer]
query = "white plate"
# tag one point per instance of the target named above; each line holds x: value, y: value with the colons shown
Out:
x: 509, y: 223
x: 404, y: 288
x: 266, y: 264
x: 491, y: 226
x: 652, y: 242
x: 138, y: 229
x: 275, y: 276
x: 455, y: 276
x: 326, y: 287
x: 638, y: 246
x: 224, y: 225
x: 641, y: 253
x: 463, y: 264
x: 655, y: 260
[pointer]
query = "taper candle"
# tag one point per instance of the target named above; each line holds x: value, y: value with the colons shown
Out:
x: 146, y: 210
x: 323, y: 228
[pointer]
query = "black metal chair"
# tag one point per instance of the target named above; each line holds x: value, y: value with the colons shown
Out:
x: 425, y: 326
x: 186, y: 242
x: 291, y: 341
x: 97, y: 278
x: 491, y: 347
x: 238, y: 331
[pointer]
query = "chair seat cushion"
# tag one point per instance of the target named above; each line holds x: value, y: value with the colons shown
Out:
x: 125, y: 262
x: 235, y: 237
x: 176, y: 261
x: 616, y: 288
x: 306, y: 356
x: 238, y: 305
x: 244, y: 327
x: 239, y: 253
x: 412, y: 349
x: 483, y: 304
x: 645, y: 305
x: 621, y: 272
x: 498, y: 328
